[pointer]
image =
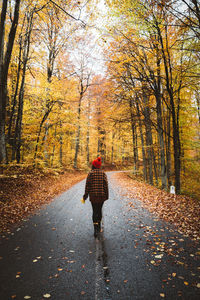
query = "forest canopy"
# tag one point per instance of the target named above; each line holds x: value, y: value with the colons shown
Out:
x: 119, y: 79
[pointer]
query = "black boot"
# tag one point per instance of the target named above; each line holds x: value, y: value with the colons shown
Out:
x: 99, y: 226
x: 96, y: 231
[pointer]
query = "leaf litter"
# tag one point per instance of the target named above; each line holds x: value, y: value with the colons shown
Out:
x: 26, y: 189
x: 165, y: 207
x: 182, y: 211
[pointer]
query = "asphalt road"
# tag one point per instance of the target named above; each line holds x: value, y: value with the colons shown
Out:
x: 54, y: 255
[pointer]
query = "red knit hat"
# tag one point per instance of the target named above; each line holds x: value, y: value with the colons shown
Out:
x: 97, y: 163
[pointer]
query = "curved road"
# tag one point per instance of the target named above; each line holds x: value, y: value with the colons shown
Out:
x: 54, y: 255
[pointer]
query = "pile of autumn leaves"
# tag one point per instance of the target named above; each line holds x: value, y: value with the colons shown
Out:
x: 25, y: 190
x: 181, y: 211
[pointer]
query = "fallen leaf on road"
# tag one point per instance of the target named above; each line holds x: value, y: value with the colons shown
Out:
x: 186, y: 283
x: 198, y: 285
x: 82, y: 293
x: 27, y: 297
x: 162, y: 295
x: 46, y: 295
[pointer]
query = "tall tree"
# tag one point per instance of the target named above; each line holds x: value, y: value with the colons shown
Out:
x: 5, y: 58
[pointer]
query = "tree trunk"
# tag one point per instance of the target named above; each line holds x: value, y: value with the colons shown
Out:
x: 88, y: 132
x: 61, y: 145
x: 19, y: 119
x: 14, y: 101
x: 4, y: 65
x: 53, y: 152
x: 175, y: 117
x: 160, y: 124
x: 133, y: 128
x: 148, y: 138
x: 142, y: 142
x: 40, y: 129
x: 78, y: 131
x: 112, y: 150
x: 26, y: 48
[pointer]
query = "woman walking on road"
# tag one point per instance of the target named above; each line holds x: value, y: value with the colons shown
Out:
x: 97, y: 189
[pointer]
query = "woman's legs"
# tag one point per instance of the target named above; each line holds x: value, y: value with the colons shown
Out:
x: 97, y: 212
x: 97, y: 216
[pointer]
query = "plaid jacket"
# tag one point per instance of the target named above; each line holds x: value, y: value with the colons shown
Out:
x: 96, y: 186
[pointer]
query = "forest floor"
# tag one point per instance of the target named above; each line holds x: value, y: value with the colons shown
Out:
x: 182, y: 211
x: 25, y: 190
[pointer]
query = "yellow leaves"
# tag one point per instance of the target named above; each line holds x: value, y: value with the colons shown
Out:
x: 18, y: 275
x: 46, y: 295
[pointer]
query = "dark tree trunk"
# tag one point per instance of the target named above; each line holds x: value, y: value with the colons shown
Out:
x: 160, y: 123
x: 84, y: 84
x: 14, y: 101
x: 142, y: 142
x: 78, y: 131
x: 61, y: 145
x: 133, y: 128
x: 175, y: 116
x: 40, y: 129
x: 4, y: 65
x: 26, y: 48
x: 112, y: 151
x: 88, y: 133
x: 149, y: 145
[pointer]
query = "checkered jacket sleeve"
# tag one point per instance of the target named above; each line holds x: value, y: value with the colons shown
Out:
x: 96, y: 186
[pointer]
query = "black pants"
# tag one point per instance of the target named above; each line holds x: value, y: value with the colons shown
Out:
x: 97, y: 212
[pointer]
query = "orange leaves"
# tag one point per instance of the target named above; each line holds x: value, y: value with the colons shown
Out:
x: 180, y: 210
x: 30, y: 190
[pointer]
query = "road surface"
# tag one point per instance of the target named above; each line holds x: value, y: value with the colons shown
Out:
x: 54, y: 254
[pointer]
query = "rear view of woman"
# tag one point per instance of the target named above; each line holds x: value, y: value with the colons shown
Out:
x: 97, y: 189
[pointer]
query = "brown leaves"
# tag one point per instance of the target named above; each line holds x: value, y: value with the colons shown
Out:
x: 23, y: 190
x: 180, y: 210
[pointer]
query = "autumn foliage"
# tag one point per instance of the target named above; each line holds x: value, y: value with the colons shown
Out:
x: 127, y: 89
